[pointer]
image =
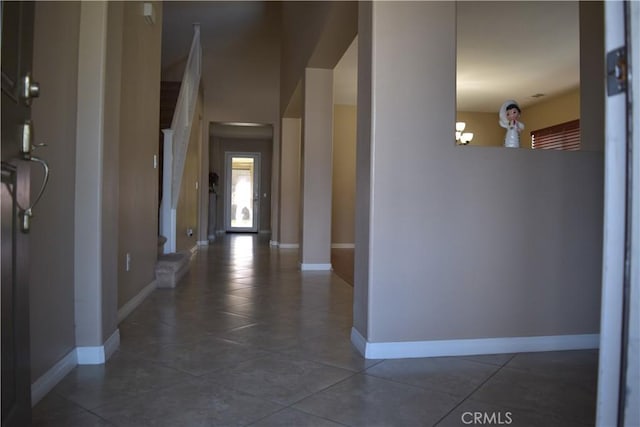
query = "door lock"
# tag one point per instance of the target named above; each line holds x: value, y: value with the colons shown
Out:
x: 30, y: 89
x: 616, y: 71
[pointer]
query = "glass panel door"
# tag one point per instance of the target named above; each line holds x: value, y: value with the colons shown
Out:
x: 242, y: 191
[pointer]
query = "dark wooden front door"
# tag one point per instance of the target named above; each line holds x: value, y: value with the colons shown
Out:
x: 17, y: 40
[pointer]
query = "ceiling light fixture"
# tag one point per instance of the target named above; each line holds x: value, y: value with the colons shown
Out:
x: 462, y: 137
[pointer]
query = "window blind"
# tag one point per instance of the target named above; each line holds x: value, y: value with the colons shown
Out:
x: 565, y: 136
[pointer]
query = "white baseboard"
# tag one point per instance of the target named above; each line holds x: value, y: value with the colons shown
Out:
x: 466, y: 347
x: 274, y: 243
x: 43, y: 385
x: 289, y: 245
x: 202, y: 243
x: 315, y: 267
x: 97, y: 355
x: 134, y: 302
x: 343, y: 245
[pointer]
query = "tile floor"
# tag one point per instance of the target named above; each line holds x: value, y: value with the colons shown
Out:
x: 248, y: 340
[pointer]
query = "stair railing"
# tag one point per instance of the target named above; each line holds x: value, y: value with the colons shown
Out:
x: 176, y: 142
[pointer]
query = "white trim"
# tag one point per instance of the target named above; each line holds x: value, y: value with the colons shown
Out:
x: 43, y: 385
x: 90, y: 355
x: 274, y: 243
x: 466, y: 347
x: 202, y: 243
x: 134, y: 302
x: 632, y: 405
x: 264, y: 231
x: 613, y: 241
x: 168, y: 220
x: 343, y: 246
x: 97, y: 355
x: 314, y: 267
x: 289, y: 245
x: 220, y: 231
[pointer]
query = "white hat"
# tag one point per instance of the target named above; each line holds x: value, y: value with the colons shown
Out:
x: 503, y: 110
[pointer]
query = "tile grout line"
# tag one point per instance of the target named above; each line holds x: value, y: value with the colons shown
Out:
x: 474, y: 390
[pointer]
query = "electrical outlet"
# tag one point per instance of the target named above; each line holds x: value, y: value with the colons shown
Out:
x: 127, y: 265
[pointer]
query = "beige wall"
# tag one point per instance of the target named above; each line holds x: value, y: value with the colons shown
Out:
x: 242, y: 81
x: 109, y: 57
x: 51, y: 284
x: 344, y: 174
x: 467, y: 267
x: 94, y: 298
x: 314, y: 34
x: 315, y: 171
x: 110, y: 209
x: 302, y: 25
x: 139, y: 128
x: 188, y: 203
x: 290, y: 182
x: 364, y: 152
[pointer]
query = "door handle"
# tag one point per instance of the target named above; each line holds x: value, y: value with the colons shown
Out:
x: 27, y: 213
x: 26, y: 136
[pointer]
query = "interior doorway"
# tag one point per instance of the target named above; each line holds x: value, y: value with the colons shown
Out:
x: 242, y: 192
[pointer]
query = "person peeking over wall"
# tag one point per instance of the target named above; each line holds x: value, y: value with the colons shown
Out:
x: 510, y: 120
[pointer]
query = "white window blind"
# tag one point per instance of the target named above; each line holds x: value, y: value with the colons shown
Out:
x: 565, y: 136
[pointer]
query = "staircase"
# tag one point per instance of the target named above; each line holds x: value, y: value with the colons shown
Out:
x: 168, y: 98
x: 177, y: 108
x: 170, y: 267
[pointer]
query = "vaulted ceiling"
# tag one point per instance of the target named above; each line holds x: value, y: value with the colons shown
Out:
x: 505, y: 49
x: 515, y: 49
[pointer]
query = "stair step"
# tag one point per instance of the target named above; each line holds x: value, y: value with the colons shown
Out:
x: 171, y: 267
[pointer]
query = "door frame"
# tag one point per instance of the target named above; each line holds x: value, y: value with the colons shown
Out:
x: 617, y: 402
x: 228, y: 156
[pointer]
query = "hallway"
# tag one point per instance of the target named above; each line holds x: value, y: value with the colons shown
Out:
x: 248, y: 339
